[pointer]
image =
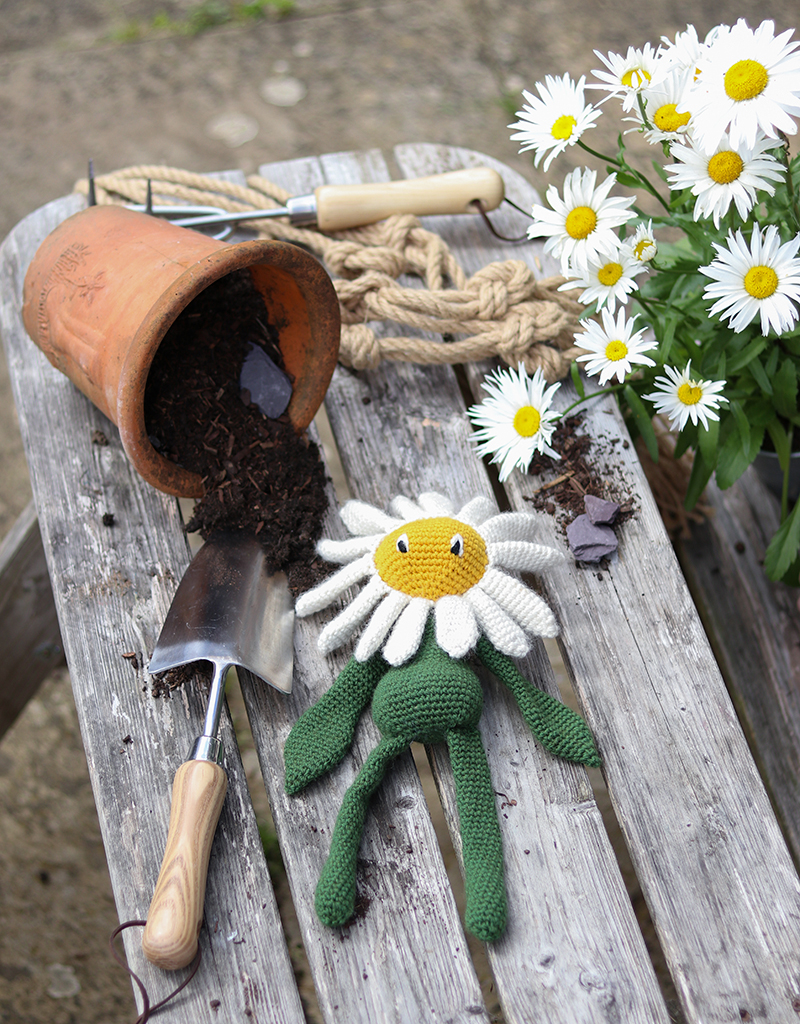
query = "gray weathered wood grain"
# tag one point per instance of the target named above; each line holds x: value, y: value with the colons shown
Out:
x: 573, y: 951
x: 30, y: 641
x: 112, y: 587
x: 754, y: 626
x: 709, y: 855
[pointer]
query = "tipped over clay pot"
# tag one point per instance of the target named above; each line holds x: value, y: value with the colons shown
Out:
x: 105, y: 286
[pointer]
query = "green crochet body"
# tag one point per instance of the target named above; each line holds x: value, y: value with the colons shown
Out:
x: 432, y: 699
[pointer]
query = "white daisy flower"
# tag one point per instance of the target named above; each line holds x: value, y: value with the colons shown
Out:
x: 421, y: 559
x: 725, y: 175
x: 608, y: 278
x: 628, y: 75
x: 760, y: 280
x: 683, y: 398
x: 688, y: 52
x: 515, y: 420
x: 583, y: 222
x: 750, y: 82
x: 643, y: 246
x: 614, y: 347
x: 665, y: 109
x: 555, y: 119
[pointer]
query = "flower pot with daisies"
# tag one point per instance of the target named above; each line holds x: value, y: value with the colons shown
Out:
x: 692, y: 311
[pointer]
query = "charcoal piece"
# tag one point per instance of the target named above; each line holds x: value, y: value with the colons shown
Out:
x: 588, y: 541
x: 268, y: 386
x: 600, y: 511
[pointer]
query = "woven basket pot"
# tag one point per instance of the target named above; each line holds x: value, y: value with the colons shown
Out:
x: 105, y: 286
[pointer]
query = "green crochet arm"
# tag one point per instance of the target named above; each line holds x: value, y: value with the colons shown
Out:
x: 322, y: 735
x: 558, y: 728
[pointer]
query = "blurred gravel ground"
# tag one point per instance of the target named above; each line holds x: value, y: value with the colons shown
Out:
x: 95, y: 78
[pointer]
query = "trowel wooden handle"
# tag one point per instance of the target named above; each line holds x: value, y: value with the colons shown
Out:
x: 176, y: 911
x: 349, y: 206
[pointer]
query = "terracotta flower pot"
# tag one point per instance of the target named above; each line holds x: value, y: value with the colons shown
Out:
x: 106, y: 285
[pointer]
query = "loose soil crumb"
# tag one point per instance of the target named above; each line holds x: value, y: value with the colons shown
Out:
x: 258, y: 475
x: 575, y: 477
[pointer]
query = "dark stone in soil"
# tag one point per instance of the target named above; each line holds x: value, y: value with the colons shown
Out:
x: 600, y: 511
x: 258, y: 475
x: 590, y: 542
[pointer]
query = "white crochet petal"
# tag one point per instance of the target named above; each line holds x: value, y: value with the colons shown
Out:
x: 406, y: 635
x: 498, y: 626
x: 344, y: 551
x: 383, y: 618
x: 404, y: 508
x: 362, y: 519
x: 434, y: 504
x: 477, y: 511
x: 511, y: 526
x: 340, y: 629
x: 522, y: 555
x: 334, y: 586
x: 525, y: 607
x: 456, y: 626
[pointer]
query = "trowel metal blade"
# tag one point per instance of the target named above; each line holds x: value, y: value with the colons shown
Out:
x: 228, y: 609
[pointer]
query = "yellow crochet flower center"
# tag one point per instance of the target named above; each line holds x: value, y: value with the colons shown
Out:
x: 431, y: 558
x: 668, y: 118
x: 725, y: 167
x: 635, y: 77
x: 527, y: 421
x: 761, y: 282
x: 609, y: 274
x: 689, y: 393
x: 581, y: 222
x: 745, y: 80
x: 616, y: 350
x: 563, y: 127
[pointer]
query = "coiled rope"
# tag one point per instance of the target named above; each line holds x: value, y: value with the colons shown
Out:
x: 502, y: 310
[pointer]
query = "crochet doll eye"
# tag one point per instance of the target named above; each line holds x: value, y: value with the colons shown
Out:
x: 457, y: 545
x: 402, y: 544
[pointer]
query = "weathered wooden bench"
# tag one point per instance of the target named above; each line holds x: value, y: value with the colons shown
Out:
x: 712, y: 862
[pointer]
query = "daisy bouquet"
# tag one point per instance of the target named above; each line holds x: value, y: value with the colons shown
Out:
x: 692, y: 310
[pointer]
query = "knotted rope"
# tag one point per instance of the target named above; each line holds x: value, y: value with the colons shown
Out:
x: 502, y: 310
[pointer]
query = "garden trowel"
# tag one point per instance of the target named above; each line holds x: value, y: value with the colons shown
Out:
x: 229, y: 611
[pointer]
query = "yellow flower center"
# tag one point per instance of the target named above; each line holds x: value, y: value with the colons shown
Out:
x: 668, y: 119
x: 745, y: 80
x: 609, y: 274
x: 581, y: 222
x: 644, y: 249
x: 725, y: 167
x: 690, y: 393
x: 634, y: 78
x: 432, y: 557
x: 761, y: 282
x: 616, y: 350
x: 527, y: 421
x: 563, y: 127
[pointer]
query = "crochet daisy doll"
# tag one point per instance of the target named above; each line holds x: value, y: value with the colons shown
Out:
x: 435, y: 591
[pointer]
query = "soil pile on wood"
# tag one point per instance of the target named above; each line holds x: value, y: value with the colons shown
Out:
x: 258, y: 475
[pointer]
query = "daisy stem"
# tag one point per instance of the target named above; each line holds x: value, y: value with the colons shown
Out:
x: 595, y: 394
x: 600, y: 156
x: 624, y: 166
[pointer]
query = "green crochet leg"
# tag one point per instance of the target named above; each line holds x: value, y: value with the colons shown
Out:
x: 323, y: 734
x: 558, y: 728
x: 480, y: 835
x: 335, y: 898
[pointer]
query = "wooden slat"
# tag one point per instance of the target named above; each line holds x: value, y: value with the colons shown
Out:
x: 708, y: 853
x: 30, y: 641
x: 754, y: 628
x: 572, y: 952
x: 112, y: 588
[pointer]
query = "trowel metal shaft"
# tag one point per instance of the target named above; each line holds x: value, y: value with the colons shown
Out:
x: 336, y: 207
